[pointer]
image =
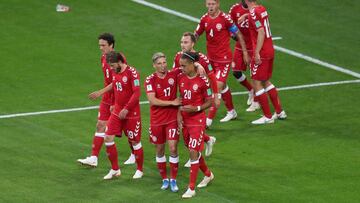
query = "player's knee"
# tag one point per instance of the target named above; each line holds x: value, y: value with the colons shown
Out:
x: 108, y: 139
x: 237, y: 74
x: 136, y: 145
x: 100, y: 126
x: 173, y: 150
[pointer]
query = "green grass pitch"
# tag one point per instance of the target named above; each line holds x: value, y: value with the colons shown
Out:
x: 50, y: 60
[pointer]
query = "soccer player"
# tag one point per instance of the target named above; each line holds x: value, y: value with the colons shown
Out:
x: 196, y: 96
x: 106, y: 44
x: 262, y: 63
x: 239, y: 14
x: 161, y: 89
x: 126, y: 114
x: 219, y: 27
x: 187, y: 43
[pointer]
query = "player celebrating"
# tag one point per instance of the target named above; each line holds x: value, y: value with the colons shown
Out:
x: 126, y: 114
x: 262, y: 63
x: 161, y: 88
x: 219, y: 27
x: 239, y: 14
x: 196, y: 96
x: 106, y: 44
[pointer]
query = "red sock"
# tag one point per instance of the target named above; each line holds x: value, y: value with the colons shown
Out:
x: 206, y: 137
x: 174, y: 165
x: 113, y: 155
x: 139, y: 156
x: 264, y: 103
x: 161, y: 164
x: 194, y: 169
x: 98, y: 141
x: 212, y: 112
x: 203, y: 167
x: 227, y: 97
x: 274, y: 97
x: 246, y: 84
x: 131, y: 147
x: 256, y: 99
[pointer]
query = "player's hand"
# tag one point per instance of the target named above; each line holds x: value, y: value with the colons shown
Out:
x: 188, y: 108
x: 176, y: 102
x: 112, y: 108
x: 242, y: 18
x: 180, y: 120
x: 200, y: 69
x: 246, y: 58
x: 94, y: 95
x: 217, y: 101
x: 123, y: 113
x: 257, y: 59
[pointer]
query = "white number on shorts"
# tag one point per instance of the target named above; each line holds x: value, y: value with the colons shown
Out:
x: 167, y: 91
x: 187, y: 94
x: 172, y: 132
x: 118, y: 86
x: 192, y: 143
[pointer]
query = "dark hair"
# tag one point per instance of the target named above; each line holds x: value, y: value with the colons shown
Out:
x: 108, y: 37
x: 244, y: 4
x: 191, y: 35
x: 114, y: 57
x: 190, y: 56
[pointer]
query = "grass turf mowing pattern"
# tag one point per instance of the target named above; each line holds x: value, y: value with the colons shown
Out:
x: 313, y: 156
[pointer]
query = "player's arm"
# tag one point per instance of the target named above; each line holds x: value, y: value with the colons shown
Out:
x: 199, y: 29
x: 243, y: 47
x: 158, y: 102
x: 259, y: 44
x: 98, y: 93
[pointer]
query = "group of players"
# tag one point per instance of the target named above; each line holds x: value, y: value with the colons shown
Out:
x: 201, y: 83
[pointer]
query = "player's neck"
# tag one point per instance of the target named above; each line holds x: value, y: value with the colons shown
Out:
x: 215, y: 15
x: 192, y: 75
x: 161, y: 75
x: 123, y: 67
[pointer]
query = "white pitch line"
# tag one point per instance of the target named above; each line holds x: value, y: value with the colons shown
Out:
x: 278, y: 48
x: 146, y: 102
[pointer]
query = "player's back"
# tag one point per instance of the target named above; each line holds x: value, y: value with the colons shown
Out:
x: 259, y: 18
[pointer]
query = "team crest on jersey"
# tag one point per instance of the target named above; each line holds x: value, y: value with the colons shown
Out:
x: 206, y: 24
x: 182, y: 84
x: 171, y: 81
x: 218, y: 26
x: 158, y: 86
x: 195, y: 87
x: 125, y: 79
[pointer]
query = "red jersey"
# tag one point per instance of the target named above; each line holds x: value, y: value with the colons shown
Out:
x: 204, y: 61
x: 236, y: 11
x: 217, y: 36
x: 165, y: 89
x: 194, y: 91
x: 259, y: 18
x: 126, y: 87
x: 108, y: 97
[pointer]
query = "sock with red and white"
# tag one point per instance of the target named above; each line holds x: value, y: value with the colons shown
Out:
x: 174, y: 165
x: 206, y: 137
x: 161, y: 164
x: 203, y: 167
x: 112, y: 154
x: 274, y: 97
x: 97, y: 143
x: 264, y: 103
x: 131, y: 147
x: 244, y: 82
x: 227, y: 97
x: 139, y: 156
x: 212, y: 112
x: 194, y: 169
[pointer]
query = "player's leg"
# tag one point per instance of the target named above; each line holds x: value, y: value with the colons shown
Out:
x: 131, y: 159
x: 259, y: 74
x: 114, y: 127
x: 186, y: 138
x: 172, y: 135
x: 133, y: 131
x: 157, y: 137
x: 275, y: 100
x: 98, y: 139
x: 227, y: 97
x: 239, y: 67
